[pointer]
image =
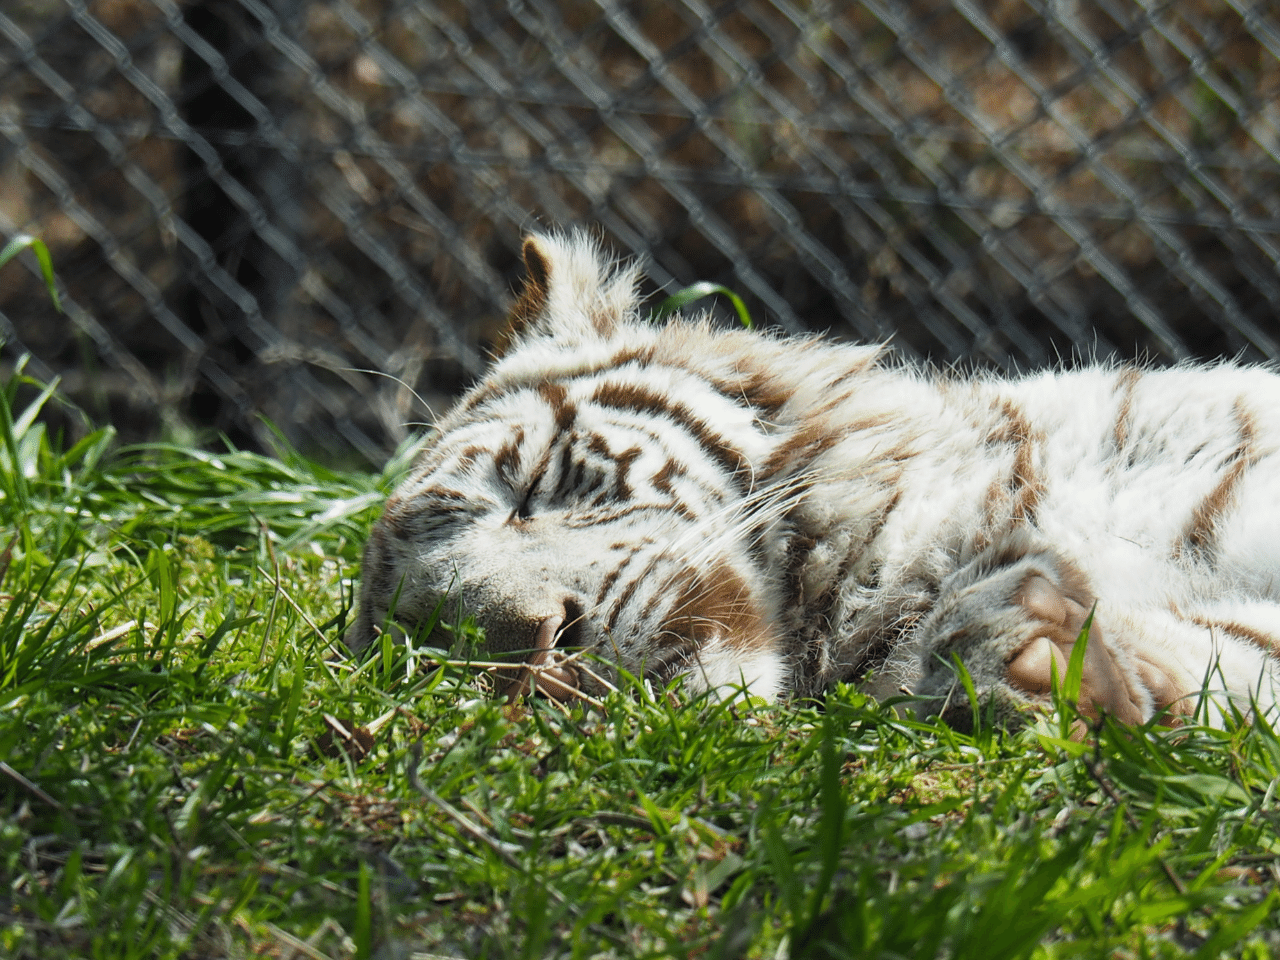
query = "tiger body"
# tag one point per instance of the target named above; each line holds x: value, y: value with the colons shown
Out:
x: 784, y: 513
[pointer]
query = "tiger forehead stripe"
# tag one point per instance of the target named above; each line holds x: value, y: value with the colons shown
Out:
x: 639, y: 399
x: 507, y: 460
x: 662, y: 482
x: 671, y: 468
x: 557, y: 398
x: 749, y: 383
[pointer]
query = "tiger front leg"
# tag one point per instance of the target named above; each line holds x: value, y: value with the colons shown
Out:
x: 1013, y: 617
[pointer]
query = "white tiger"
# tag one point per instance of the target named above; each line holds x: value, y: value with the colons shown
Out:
x: 783, y: 512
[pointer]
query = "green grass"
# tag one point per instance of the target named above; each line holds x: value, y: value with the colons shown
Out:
x: 192, y: 768
x: 41, y: 252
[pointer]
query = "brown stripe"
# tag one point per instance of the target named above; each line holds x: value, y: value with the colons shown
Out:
x: 757, y: 387
x: 855, y: 371
x: 566, y: 482
x: 442, y: 494
x: 669, y: 469
x: 1263, y: 641
x: 871, y: 580
x: 662, y: 483
x: 629, y: 396
x: 995, y: 496
x: 1201, y: 528
x: 477, y: 397
x: 643, y: 356
x: 764, y: 391
x: 611, y: 620
x: 1027, y: 488
x: 507, y: 460
x: 470, y: 454
x: 817, y: 435
x: 409, y: 515
x: 716, y: 604
x: 1125, y: 385
x: 557, y: 398
x: 1024, y: 488
x: 805, y: 444
x: 621, y: 486
x: 599, y: 514
x: 881, y: 519
x: 612, y: 576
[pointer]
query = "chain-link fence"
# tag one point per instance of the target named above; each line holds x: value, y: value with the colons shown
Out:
x: 312, y: 209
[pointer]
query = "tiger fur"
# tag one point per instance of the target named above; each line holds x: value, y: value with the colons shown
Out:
x: 782, y: 513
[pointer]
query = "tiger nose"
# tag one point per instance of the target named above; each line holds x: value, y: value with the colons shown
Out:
x: 527, y: 625
x: 545, y: 639
x: 533, y: 674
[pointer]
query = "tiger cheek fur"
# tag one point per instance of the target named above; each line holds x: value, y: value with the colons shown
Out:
x: 738, y: 508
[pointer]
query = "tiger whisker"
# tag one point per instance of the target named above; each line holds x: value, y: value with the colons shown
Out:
x: 603, y: 681
x: 776, y: 503
x: 738, y: 517
x: 759, y: 509
x: 404, y: 383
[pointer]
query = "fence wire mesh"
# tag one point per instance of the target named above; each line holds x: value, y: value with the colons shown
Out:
x: 311, y: 210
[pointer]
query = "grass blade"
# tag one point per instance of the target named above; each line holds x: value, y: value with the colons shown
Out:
x: 37, y: 246
x: 700, y: 291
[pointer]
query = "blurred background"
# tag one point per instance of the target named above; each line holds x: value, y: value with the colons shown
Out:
x: 309, y: 212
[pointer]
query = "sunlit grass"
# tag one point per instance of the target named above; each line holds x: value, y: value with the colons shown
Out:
x: 193, y: 768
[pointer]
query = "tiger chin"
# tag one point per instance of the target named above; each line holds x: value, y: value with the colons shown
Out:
x: 743, y: 509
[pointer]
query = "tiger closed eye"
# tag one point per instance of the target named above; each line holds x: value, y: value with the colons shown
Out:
x: 781, y: 514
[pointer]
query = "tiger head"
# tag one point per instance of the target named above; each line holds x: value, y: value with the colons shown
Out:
x: 612, y: 486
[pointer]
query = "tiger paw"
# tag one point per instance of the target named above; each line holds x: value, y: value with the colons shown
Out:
x: 1013, y: 617
x: 1062, y: 620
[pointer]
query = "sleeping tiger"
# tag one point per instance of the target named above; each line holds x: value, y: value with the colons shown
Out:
x: 780, y: 513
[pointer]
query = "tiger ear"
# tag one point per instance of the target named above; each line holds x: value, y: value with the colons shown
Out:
x: 532, y: 301
x: 572, y: 291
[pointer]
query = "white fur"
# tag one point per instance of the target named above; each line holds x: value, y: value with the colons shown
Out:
x: 823, y: 500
